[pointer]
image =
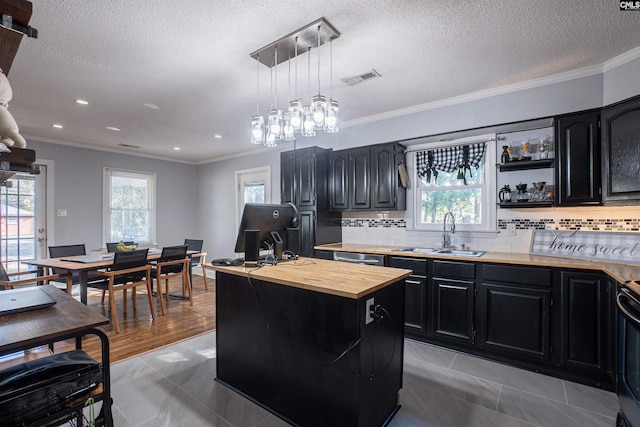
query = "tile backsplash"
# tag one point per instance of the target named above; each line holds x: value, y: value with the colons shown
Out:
x: 395, y: 228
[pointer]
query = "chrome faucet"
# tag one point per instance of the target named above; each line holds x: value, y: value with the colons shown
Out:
x: 446, y: 237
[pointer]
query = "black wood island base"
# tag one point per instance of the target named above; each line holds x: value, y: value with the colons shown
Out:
x: 312, y: 358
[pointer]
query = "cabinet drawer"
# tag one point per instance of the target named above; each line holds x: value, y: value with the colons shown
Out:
x: 419, y: 266
x: 517, y: 275
x: 454, y: 269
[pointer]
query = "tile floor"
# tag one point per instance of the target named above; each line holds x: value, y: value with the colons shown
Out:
x: 174, y: 386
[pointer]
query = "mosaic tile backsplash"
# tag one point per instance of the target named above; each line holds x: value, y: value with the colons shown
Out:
x: 600, y: 224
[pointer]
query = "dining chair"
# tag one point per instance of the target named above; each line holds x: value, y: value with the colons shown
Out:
x: 70, y: 250
x: 113, y: 246
x: 173, y: 262
x: 199, y: 260
x: 129, y: 270
x: 8, y: 280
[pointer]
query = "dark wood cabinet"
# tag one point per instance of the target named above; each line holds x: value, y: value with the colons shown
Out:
x: 452, y: 294
x: 585, y: 321
x: 366, y: 178
x: 621, y: 152
x: 578, y: 175
x: 415, y: 294
x: 515, y: 310
x: 359, y: 173
x: 338, y: 180
x: 303, y: 182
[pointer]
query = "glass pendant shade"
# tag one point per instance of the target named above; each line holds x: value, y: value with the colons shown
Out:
x: 295, y: 112
x: 331, y: 117
x: 318, y: 110
x: 270, y: 140
x: 308, y: 128
x: 275, y: 123
x: 257, y: 130
x: 287, y: 129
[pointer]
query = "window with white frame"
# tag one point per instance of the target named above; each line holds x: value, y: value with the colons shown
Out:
x: 129, y: 206
x: 456, y: 178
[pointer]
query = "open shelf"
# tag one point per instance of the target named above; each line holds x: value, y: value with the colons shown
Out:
x: 516, y: 165
x: 545, y: 204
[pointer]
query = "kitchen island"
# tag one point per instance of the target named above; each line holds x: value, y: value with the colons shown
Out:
x: 299, y: 338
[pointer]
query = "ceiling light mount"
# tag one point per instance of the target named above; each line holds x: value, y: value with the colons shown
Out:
x: 304, y: 38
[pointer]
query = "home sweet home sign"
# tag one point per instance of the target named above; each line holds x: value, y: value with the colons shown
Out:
x: 587, y: 245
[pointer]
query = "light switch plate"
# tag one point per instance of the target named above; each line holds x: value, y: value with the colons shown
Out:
x: 511, y: 229
x: 62, y: 212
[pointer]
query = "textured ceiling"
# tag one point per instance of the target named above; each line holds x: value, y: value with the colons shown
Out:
x: 191, y: 59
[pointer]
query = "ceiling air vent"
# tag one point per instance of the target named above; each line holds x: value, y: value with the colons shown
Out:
x: 352, y: 81
x: 129, y: 146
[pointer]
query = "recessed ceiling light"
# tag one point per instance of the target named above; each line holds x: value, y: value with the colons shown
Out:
x: 82, y: 102
x: 113, y: 128
x: 56, y: 125
x: 152, y: 106
x: 217, y: 136
x: 176, y: 148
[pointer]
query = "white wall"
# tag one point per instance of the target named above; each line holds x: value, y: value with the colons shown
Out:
x: 78, y: 189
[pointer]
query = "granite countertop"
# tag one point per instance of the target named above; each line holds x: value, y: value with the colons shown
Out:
x: 620, y: 272
x: 321, y: 275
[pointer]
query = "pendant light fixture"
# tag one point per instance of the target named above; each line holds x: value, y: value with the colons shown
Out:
x: 308, y: 127
x: 257, y: 121
x: 331, y: 117
x: 318, y: 102
x: 318, y: 114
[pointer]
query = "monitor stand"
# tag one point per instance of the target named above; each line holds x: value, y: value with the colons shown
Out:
x: 278, y: 245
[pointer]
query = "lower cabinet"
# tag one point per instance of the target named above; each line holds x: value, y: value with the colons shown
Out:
x: 415, y: 294
x: 586, y: 322
x: 556, y: 321
x: 452, y: 289
x: 514, y: 307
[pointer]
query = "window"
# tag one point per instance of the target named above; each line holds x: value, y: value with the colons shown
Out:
x: 254, y: 186
x: 455, y: 177
x: 129, y: 201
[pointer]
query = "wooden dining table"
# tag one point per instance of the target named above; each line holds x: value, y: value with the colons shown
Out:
x: 83, y: 264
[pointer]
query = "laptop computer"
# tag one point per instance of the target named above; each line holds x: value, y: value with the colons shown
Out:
x: 17, y: 301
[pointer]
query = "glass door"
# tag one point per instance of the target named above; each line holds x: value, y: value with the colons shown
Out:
x: 23, y: 220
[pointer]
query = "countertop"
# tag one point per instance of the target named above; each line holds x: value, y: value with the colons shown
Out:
x: 620, y: 272
x: 319, y: 275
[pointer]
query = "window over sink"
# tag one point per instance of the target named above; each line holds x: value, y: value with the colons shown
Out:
x: 455, y: 176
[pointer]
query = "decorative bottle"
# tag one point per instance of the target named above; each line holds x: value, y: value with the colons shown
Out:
x: 505, y: 156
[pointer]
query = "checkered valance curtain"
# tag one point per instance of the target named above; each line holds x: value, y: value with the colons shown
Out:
x: 449, y: 159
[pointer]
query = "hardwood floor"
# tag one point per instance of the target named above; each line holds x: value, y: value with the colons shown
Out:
x: 138, y: 332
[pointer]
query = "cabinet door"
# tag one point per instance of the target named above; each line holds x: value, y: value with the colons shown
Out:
x: 307, y: 224
x: 287, y: 177
x: 384, y: 177
x: 452, y: 309
x: 415, y: 294
x: 359, y: 179
x: 338, y: 181
x: 306, y: 182
x: 515, y: 320
x: 621, y: 155
x: 585, y: 321
x: 578, y: 171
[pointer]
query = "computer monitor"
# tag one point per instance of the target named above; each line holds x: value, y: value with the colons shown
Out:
x: 274, y: 225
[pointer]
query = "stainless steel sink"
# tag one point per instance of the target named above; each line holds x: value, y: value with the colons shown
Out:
x: 452, y: 252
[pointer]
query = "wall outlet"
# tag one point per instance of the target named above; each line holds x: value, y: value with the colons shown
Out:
x: 367, y: 311
x: 62, y: 212
x: 511, y: 229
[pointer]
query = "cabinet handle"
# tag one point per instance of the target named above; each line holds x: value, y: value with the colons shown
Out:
x: 413, y: 282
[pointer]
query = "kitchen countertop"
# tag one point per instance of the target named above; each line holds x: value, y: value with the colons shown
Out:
x: 319, y: 275
x: 620, y: 272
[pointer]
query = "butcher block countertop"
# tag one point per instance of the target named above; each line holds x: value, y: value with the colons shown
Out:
x: 620, y: 272
x: 319, y: 275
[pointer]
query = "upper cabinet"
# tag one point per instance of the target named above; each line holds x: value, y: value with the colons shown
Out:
x: 621, y: 152
x: 578, y: 159
x: 366, y: 178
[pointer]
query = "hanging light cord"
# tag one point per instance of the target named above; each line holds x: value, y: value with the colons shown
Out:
x: 309, y: 70
x: 318, y: 59
x: 258, y: 88
x: 275, y: 65
x: 296, y: 55
x: 331, y: 69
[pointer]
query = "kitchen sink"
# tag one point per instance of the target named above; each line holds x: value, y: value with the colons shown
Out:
x: 453, y: 252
